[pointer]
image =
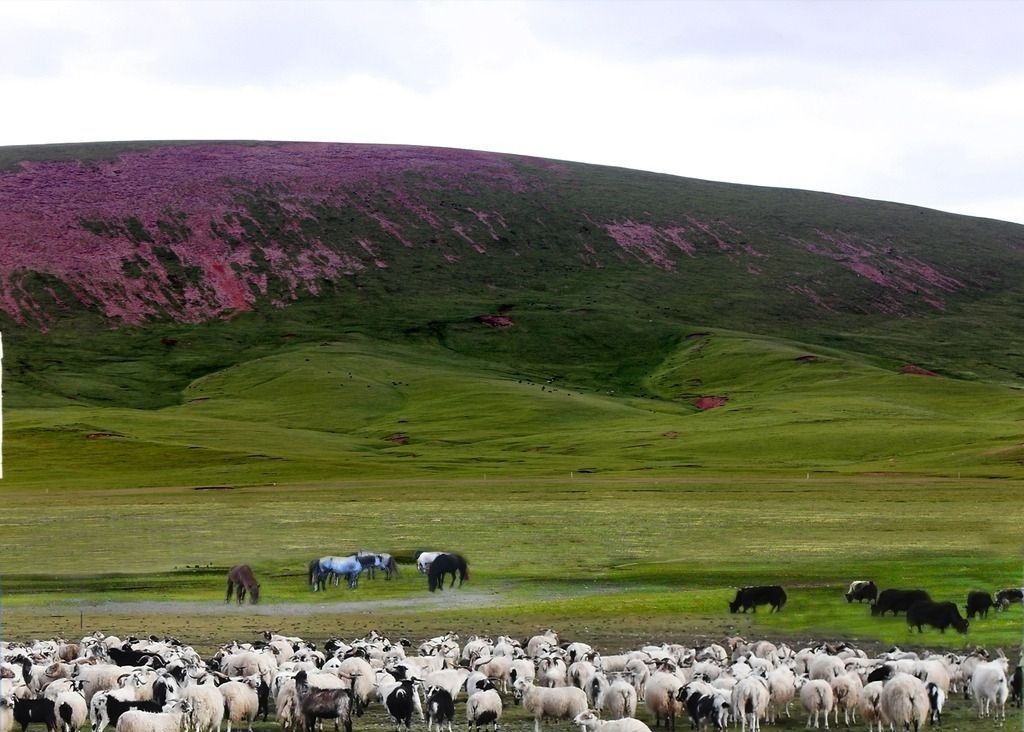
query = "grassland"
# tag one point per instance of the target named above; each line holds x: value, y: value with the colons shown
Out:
x: 607, y: 515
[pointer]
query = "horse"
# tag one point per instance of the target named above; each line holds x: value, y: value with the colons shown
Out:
x: 447, y: 564
x: 384, y: 562
x: 241, y: 578
x: 423, y: 560
x: 320, y: 570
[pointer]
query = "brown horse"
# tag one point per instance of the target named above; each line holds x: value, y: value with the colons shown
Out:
x: 241, y: 576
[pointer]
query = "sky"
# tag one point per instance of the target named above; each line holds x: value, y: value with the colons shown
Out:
x: 916, y: 102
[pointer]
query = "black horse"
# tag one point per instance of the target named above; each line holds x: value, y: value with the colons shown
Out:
x: 447, y: 564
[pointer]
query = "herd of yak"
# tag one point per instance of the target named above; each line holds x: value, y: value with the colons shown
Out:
x: 921, y: 610
x: 163, y: 685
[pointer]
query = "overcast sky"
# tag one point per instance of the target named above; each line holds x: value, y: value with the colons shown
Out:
x: 918, y: 102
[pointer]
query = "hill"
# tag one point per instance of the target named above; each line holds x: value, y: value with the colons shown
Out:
x: 134, y: 277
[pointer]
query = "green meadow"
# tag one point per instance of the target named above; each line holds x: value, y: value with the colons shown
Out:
x: 619, y: 517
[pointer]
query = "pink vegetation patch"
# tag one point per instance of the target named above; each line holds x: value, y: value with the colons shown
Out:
x: 172, y: 232
x: 496, y: 321
x: 705, y: 403
x: 909, y: 368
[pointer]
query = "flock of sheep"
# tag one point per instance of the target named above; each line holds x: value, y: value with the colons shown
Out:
x: 165, y: 686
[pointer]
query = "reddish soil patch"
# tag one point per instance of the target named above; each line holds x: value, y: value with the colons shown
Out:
x: 496, y: 321
x: 399, y: 438
x: 705, y: 403
x: 102, y: 435
x: 197, y: 400
x: 670, y: 435
x: 909, y: 368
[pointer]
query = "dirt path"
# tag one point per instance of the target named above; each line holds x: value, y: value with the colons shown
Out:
x: 438, y: 601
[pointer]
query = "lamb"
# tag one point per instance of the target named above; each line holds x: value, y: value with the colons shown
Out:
x: 750, y: 699
x: 483, y: 707
x: 936, y: 701
x: 440, y: 708
x: 173, y: 720
x: 989, y: 685
x: 871, y: 704
x: 816, y: 697
x: 588, y: 721
x: 561, y: 703
x: 660, y: 696
x: 241, y: 702
x: 905, y: 702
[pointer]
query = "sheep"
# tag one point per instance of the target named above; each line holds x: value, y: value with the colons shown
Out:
x: 323, y: 703
x: 483, y: 707
x: 398, y: 700
x: 440, y: 708
x: 360, y: 675
x: 6, y: 713
x: 750, y: 699
x: 660, y: 697
x: 522, y: 669
x: 588, y: 721
x: 451, y: 680
x: 619, y: 698
x: 704, y: 703
x: 580, y: 673
x: 207, y: 706
x: 781, y: 690
x: 561, y: 703
x: 936, y: 701
x: 989, y: 684
x: 825, y: 667
x: 816, y: 697
x: 905, y: 702
x: 547, y: 639
x: 241, y: 702
x: 27, y: 711
x: 551, y: 669
x: 846, y: 690
x: 870, y: 704
x: 637, y: 670
x: 70, y: 711
x: 175, y: 719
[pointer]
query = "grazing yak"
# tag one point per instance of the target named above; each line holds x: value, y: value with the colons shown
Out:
x: 751, y: 597
x: 861, y: 590
x: 939, y: 615
x: 898, y: 601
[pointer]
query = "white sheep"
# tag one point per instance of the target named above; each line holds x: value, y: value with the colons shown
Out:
x: 618, y: 698
x: 173, y: 719
x: 561, y: 703
x: 822, y: 666
x: 660, y: 697
x: 750, y: 697
x: 451, y: 680
x: 781, y: 690
x: 989, y: 685
x: 588, y: 721
x: 483, y: 707
x: 871, y: 704
x: 546, y: 640
x: 905, y: 702
x: 6, y: 713
x: 522, y: 668
x: 552, y: 671
x: 637, y: 670
x: 241, y: 702
x: 846, y: 689
x: 817, y: 698
x: 207, y: 706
